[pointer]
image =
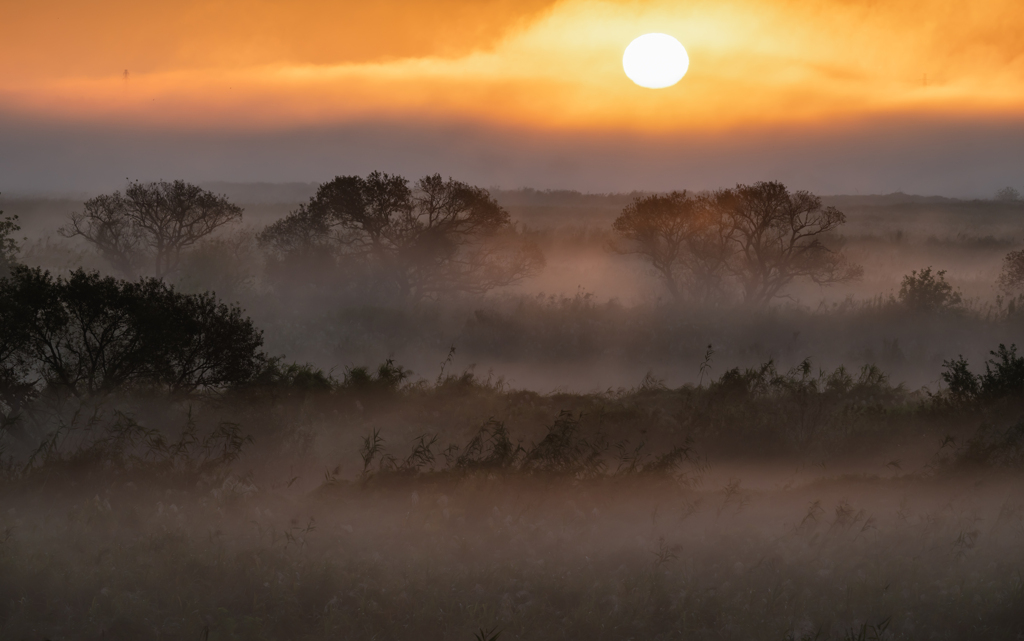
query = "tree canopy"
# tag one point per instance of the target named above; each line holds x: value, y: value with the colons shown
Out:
x: 420, y: 242
x: 683, y: 237
x: 151, y: 223
x: 780, y: 236
x: 91, y: 335
x: 753, y: 240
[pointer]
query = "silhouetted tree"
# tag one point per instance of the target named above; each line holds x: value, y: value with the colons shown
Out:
x: 89, y: 335
x: 779, y: 237
x: 441, y: 236
x: 925, y: 291
x: 150, y: 223
x: 684, y: 237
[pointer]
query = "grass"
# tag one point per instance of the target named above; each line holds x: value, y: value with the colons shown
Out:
x: 527, y: 558
x: 761, y: 504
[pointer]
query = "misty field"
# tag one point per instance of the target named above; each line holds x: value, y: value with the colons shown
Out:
x: 840, y: 557
x: 854, y: 513
x: 509, y: 416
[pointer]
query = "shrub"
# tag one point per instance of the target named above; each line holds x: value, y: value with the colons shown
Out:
x: 1003, y: 377
x: 925, y: 291
x: 93, y: 335
x: 388, y: 378
x: 1011, y: 278
x: 963, y: 385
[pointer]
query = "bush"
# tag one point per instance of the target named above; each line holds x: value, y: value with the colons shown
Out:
x: 388, y: 378
x: 92, y: 335
x: 1003, y: 377
x: 927, y: 292
x: 1011, y: 278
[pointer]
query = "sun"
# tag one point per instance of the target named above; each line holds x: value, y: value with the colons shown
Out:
x: 655, y: 61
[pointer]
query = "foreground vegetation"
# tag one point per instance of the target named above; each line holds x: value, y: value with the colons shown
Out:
x: 165, y: 474
x: 758, y: 504
x: 757, y: 556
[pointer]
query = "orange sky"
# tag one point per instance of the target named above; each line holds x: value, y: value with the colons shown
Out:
x: 525, y: 63
x: 832, y: 95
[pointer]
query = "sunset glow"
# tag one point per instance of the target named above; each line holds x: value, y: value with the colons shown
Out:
x: 534, y: 64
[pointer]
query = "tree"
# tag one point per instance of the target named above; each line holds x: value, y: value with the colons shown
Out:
x: 150, y: 223
x: 684, y: 237
x: 927, y: 292
x: 93, y: 335
x: 779, y: 237
x: 422, y: 242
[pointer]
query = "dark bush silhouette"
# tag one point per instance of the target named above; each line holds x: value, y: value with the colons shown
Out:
x: 88, y: 335
x: 927, y: 292
x: 439, y: 237
x: 387, y: 380
x: 151, y: 223
x: 1011, y: 277
x: 1003, y: 377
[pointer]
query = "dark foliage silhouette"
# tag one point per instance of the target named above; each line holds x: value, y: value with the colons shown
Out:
x: 439, y: 237
x: 685, y: 238
x: 1003, y: 377
x: 925, y: 291
x: 88, y: 335
x: 780, y: 236
x: 1011, y: 277
x: 151, y: 224
x: 756, y: 239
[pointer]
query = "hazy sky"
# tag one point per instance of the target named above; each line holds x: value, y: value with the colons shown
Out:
x: 846, y: 96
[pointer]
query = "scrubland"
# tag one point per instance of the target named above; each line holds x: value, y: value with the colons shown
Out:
x: 573, y: 457
x: 759, y: 505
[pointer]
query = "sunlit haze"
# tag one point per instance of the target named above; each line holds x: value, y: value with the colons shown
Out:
x: 512, y: 320
x: 499, y: 73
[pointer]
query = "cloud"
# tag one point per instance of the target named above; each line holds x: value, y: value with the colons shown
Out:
x: 752, y: 63
x: 902, y: 94
x: 71, y: 38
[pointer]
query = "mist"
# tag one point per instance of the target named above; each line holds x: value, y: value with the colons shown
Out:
x: 508, y: 425
x: 932, y: 155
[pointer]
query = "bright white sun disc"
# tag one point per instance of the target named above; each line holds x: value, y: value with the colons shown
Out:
x: 655, y: 61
